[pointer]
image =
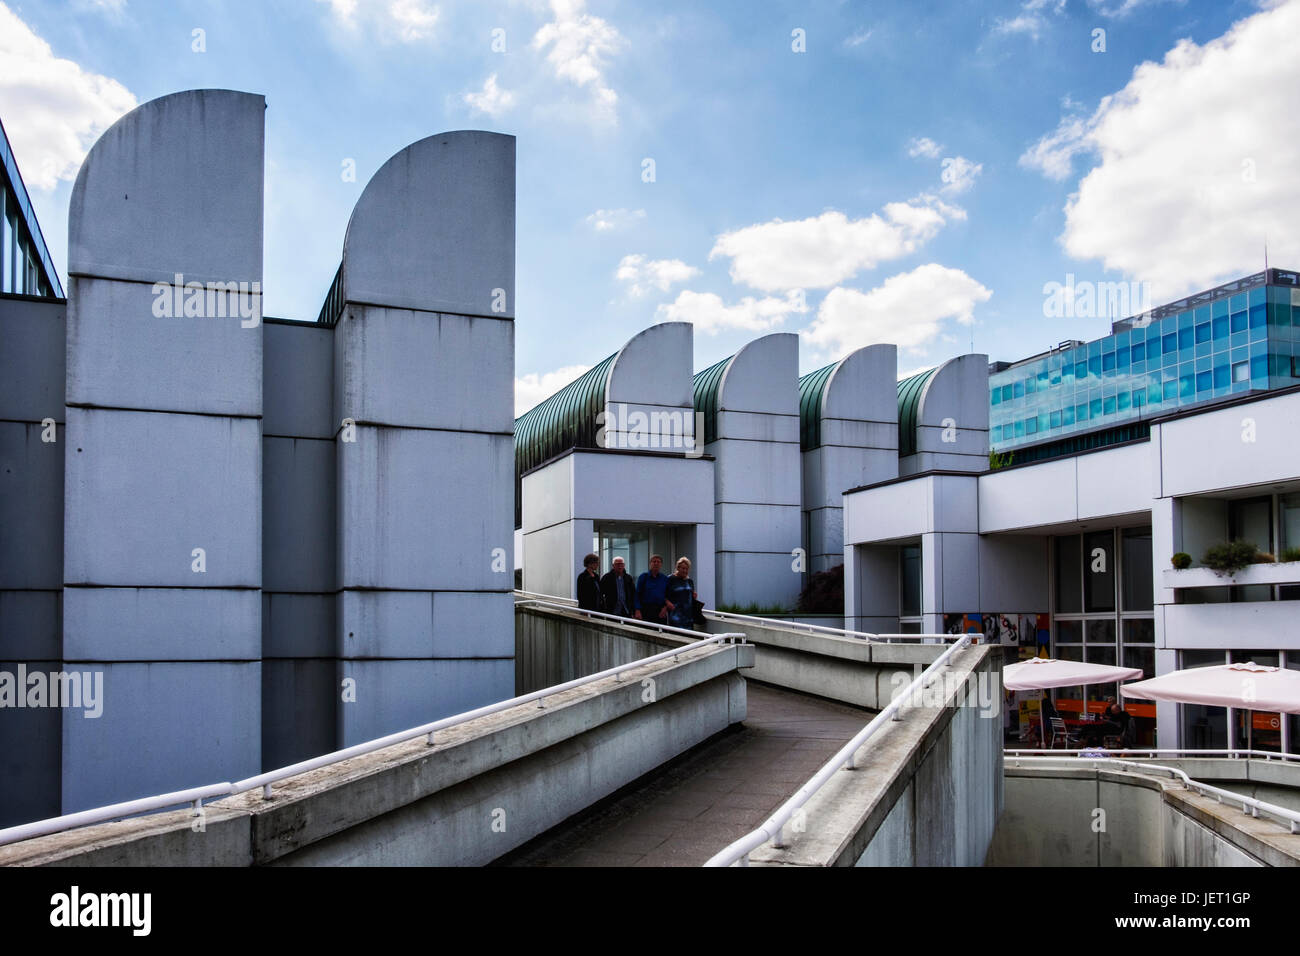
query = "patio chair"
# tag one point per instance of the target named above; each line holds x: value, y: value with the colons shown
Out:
x: 1059, y: 730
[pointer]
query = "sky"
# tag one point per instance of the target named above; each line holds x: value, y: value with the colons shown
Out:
x: 923, y: 173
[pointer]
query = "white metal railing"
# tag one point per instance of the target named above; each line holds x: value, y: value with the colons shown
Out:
x: 568, y: 604
x: 551, y: 603
x: 1249, y: 805
x: 1091, y: 753
x: 772, y: 829
x: 196, y: 795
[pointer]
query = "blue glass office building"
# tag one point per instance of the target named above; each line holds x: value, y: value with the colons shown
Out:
x: 1238, y: 337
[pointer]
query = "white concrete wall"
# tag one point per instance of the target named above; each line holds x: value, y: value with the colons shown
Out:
x: 423, y: 358
x: 164, y: 452
x: 757, y: 494
x: 952, y: 425
x: 859, y: 445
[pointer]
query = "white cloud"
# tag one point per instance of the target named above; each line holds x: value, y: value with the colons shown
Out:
x: 825, y: 250
x: 609, y: 220
x: 1032, y: 20
x: 534, y: 388
x: 959, y: 174
x: 1196, y: 161
x: 403, y: 21
x: 909, y: 310
x: 710, y: 314
x: 491, y: 100
x: 857, y: 39
x: 1125, y: 7
x: 644, y: 274
x: 580, y: 45
x: 1053, y: 155
x: 53, y: 109
x: 923, y: 146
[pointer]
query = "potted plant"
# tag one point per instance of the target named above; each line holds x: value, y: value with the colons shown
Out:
x: 1227, y: 559
x: 1182, y: 560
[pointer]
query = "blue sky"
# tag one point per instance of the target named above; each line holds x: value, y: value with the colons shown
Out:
x: 916, y: 173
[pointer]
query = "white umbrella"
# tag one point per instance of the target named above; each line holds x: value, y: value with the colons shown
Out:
x: 1248, y: 686
x: 1038, y: 673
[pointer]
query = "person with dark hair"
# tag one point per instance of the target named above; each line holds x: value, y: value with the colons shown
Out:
x: 618, y: 592
x: 589, y: 584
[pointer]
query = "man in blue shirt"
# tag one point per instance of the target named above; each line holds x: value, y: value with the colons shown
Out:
x: 651, y: 587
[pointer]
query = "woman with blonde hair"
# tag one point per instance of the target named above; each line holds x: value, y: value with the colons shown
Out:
x: 680, y: 596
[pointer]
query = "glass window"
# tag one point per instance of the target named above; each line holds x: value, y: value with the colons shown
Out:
x: 1069, y: 597
x: 1203, y: 381
x: 1055, y: 420
x: 1067, y: 415
x: 1241, y: 372
x: 1094, y: 408
x: 1140, y: 630
x: 1139, y: 397
x: 1138, y: 352
x: 1108, y: 405
x: 1258, y: 316
x: 1170, y: 343
x: 1220, y: 329
x: 1121, y: 359
x: 1171, y: 391
x: 1259, y: 368
x: 1101, y: 632
x: 1185, y: 338
x: 910, y: 577
x: 1203, y: 332
x: 1069, y: 632
x: 1031, y: 425
x: 1018, y: 390
x: 1290, y: 515
x: 1081, y: 413
x: 1099, y: 571
x: 1123, y: 399
x: 1100, y: 654
x: 1137, y: 569
x: 996, y: 395
x: 1222, y: 376
x: 1094, y: 366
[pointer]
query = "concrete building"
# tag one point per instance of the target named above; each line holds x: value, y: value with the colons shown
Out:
x: 611, y: 464
x: 1172, y: 434
x: 263, y: 539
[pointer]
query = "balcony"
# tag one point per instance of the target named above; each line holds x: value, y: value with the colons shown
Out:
x: 1287, y: 572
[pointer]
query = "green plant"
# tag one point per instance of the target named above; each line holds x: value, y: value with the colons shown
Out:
x: 1290, y: 554
x: 1181, y: 560
x: 752, y: 608
x: 997, y: 461
x: 1228, y: 559
x: 824, y: 593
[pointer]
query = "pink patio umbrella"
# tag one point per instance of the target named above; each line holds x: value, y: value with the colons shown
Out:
x: 1247, y: 685
x: 1039, y: 673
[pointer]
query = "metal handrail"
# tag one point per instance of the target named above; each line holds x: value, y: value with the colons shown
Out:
x: 773, y: 827
x: 195, y: 796
x: 1153, y: 751
x: 1249, y: 805
x: 537, y: 596
x: 616, y: 618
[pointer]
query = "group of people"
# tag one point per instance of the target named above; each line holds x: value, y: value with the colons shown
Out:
x: 654, y: 596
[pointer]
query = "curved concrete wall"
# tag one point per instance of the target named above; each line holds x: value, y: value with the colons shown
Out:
x: 952, y: 424
x: 164, y: 450
x: 434, y: 228
x: 424, y: 367
x: 756, y: 480
x: 859, y: 445
x: 652, y: 375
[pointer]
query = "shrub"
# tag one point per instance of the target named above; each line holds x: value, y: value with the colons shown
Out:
x: 1263, y: 557
x: 997, y: 461
x: 1228, y: 559
x: 1290, y: 554
x: 1181, y: 560
x: 824, y: 593
x: 752, y: 609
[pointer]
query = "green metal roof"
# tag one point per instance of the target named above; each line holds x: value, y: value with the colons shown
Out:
x: 706, y: 396
x: 811, y: 387
x: 565, y: 420
x: 909, y: 403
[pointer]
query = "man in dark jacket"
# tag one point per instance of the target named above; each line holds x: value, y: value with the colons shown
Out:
x: 589, y: 584
x: 618, y: 591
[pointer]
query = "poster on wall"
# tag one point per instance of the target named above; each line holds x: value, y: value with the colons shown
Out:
x: 963, y: 624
